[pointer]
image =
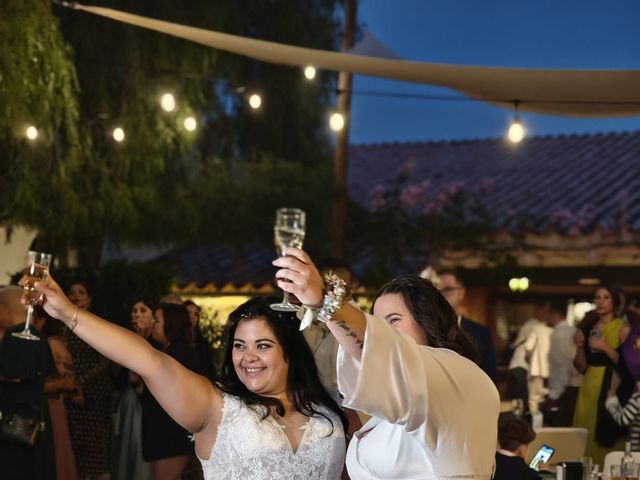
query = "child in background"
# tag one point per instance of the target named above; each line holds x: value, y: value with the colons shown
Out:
x: 514, y: 437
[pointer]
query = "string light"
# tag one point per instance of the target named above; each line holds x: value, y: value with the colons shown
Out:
x: 310, y: 72
x: 190, y: 124
x: 31, y: 132
x: 336, y: 122
x: 255, y: 101
x: 516, y: 131
x: 168, y: 102
x: 519, y: 284
x: 118, y: 134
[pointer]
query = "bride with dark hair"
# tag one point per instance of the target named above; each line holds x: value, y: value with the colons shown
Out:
x: 269, y: 418
x: 412, y: 368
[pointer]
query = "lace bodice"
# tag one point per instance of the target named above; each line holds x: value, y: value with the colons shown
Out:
x: 249, y: 448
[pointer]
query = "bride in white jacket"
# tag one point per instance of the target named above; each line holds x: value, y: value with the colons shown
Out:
x: 410, y: 366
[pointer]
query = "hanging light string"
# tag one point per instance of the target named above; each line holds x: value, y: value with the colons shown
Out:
x: 455, y: 98
x: 516, y: 132
x: 336, y: 120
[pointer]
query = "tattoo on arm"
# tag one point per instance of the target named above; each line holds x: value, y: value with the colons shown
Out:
x: 350, y: 333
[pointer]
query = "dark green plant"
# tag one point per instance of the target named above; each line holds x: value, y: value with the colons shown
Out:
x: 78, y: 187
x: 409, y: 222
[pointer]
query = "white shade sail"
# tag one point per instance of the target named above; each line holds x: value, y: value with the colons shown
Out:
x: 579, y: 93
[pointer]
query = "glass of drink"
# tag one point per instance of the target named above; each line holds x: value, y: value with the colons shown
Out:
x: 288, y: 231
x: 37, y: 270
x: 625, y: 472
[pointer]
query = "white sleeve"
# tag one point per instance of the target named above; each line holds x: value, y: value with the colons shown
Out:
x: 390, y: 381
x: 559, y: 364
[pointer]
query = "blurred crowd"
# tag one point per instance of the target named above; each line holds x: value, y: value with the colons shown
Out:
x: 106, y: 424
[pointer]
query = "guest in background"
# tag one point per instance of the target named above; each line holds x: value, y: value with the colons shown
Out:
x: 520, y: 375
x: 56, y: 386
x: 127, y: 460
x: 514, y: 437
x: 89, y: 408
x: 452, y: 288
x: 627, y: 416
x: 204, y: 349
x: 325, y: 347
x: 564, y: 380
x: 165, y: 444
x: 24, y: 366
x: 597, y: 339
x: 537, y: 356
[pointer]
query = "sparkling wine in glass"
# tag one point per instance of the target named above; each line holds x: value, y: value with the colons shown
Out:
x: 37, y: 270
x: 288, y: 231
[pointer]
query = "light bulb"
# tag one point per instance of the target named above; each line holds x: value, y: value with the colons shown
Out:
x: 310, y: 72
x: 255, y: 101
x: 118, y: 134
x: 514, y: 284
x: 336, y: 122
x: 168, y: 102
x: 516, y: 132
x: 190, y: 124
x: 32, y: 132
x: 523, y: 284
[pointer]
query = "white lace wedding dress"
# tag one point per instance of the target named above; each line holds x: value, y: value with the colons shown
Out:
x: 249, y: 448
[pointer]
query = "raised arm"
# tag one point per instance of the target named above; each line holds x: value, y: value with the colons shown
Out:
x: 188, y: 398
x: 348, y: 324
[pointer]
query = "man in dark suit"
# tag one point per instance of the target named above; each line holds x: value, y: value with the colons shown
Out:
x: 453, y: 290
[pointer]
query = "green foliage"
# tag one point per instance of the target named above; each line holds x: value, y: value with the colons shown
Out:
x: 412, y: 221
x: 235, y: 204
x: 78, y: 187
x: 214, y: 330
x: 38, y: 87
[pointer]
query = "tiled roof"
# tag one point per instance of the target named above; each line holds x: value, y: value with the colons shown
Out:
x: 203, y: 267
x: 572, y: 184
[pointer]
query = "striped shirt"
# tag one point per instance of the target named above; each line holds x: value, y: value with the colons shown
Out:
x: 629, y: 415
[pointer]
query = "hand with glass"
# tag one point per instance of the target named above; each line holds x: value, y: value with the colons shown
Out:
x: 288, y: 231
x: 37, y: 270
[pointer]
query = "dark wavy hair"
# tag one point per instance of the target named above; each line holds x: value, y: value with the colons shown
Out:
x: 303, y: 381
x: 591, y: 317
x: 177, y: 325
x: 149, y: 302
x: 84, y: 283
x: 433, y: 314
x: 514, y: 431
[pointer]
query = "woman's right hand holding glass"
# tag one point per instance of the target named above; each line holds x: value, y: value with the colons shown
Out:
x: 305, y: 282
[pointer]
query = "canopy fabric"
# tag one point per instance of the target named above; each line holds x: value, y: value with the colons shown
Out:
x: 579, y: 93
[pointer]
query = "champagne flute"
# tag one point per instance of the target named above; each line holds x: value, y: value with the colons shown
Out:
x: 288, y: 231
x: 37, y: 270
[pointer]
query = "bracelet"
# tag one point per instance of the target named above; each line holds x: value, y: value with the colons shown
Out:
x: 335, y: 292
x: 74, y: 319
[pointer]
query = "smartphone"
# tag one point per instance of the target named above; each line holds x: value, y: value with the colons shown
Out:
x: 542, y: 456
x: 595, y: 333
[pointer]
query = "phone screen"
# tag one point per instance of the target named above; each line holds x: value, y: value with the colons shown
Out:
x: 542, y: 456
